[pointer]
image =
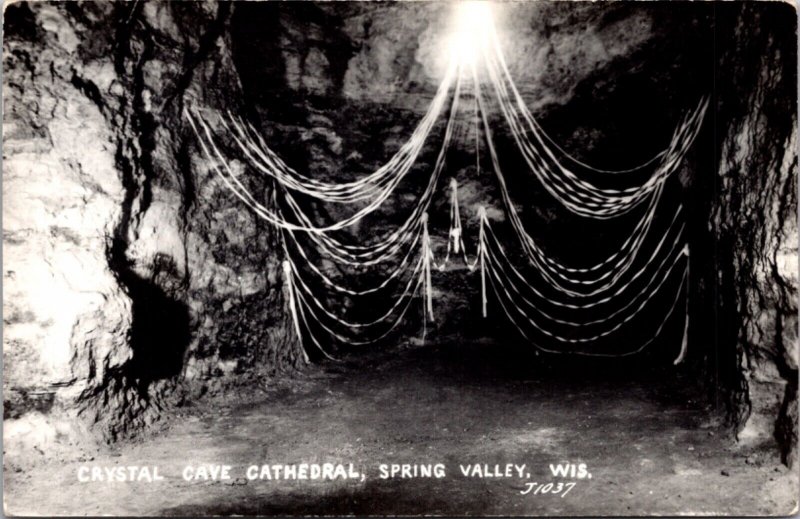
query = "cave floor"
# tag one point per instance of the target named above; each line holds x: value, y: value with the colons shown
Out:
x: 650, y: 447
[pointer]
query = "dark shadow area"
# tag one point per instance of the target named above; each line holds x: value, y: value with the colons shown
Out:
x: 159, y: 332
x: 506, y: 361
x: 20, y: 22
x: 160, y: 325
x: 264, y: 35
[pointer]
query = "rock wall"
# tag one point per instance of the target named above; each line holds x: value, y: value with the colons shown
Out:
x: 754, y: 220
x: 132, y: 280
x: 67, y: 319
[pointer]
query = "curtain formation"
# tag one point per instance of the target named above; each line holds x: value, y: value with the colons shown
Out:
x: 557, y: 307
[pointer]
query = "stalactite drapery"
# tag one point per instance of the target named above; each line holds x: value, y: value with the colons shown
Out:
x: 559, y: 308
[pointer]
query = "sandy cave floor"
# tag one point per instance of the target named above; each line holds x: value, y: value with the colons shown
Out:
x: 651, y: 448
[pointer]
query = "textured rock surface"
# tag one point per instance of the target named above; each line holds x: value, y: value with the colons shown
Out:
x: 67, y: 319
x: 754, y: 220
x: 152, y: 285
x: 128, y: 268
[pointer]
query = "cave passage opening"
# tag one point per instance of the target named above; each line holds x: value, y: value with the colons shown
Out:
x: 321, y: 120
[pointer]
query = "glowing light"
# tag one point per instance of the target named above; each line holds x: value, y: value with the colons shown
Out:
x: 470, y: 36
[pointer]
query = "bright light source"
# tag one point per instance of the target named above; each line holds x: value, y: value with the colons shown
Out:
x: 471, y: 31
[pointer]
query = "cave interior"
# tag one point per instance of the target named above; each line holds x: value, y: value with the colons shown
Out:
x: 144, y: 304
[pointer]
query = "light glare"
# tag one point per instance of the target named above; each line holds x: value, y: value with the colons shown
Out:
x: 473, y: 20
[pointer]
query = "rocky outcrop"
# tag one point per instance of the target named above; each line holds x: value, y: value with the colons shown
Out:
x: 130, y: 275
x: 67, y: 319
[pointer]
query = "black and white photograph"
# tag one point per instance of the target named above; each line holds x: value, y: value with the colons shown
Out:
x: 400, y: 258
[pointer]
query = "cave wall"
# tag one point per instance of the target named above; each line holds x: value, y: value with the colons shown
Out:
x: 753, y: 220
x: 132, y: 280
